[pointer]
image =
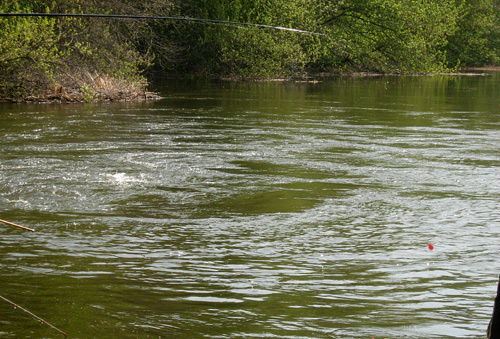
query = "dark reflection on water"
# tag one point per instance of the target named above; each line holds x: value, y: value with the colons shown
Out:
x: 247, y: 210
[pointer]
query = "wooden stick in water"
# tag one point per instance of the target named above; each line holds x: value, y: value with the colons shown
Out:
x: 16, y: 225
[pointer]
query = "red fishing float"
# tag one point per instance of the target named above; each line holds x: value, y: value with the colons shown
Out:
x: 431, y: 246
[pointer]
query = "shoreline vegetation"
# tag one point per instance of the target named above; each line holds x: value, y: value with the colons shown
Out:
x: 65, y: 59
x: 102, y: 89
x: 106, y: 90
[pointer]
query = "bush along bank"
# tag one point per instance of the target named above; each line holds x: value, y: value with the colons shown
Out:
x: 67, y: 59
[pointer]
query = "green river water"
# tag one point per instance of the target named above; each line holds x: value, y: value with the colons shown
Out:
x: 255, y: 210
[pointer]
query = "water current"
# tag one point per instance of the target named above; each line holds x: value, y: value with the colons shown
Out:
x: 255, y: 210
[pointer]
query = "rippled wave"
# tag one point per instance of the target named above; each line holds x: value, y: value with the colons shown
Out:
x: 255, y: 211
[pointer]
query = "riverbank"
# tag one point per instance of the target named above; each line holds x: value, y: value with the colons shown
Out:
x: 107, y: 89
x: 98, y: 89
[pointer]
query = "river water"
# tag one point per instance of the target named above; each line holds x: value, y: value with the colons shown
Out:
x: 255, y: 210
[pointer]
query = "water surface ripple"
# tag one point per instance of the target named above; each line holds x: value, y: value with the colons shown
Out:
x: 256, y: 210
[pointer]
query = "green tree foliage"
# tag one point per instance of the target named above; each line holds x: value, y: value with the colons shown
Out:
x: 248, y: 52
x: 477, y: 38
x: 91, y: 55
x: 403, y: 36
x: 258, y: 52
x: 28, y: 51
x: 389, y: 36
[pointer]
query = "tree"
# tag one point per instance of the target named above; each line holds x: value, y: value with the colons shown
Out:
x: 28, y: 52
x: 248, y: 52
x: 476, y: 40
x: 93, y: 58
x: 389, y: 36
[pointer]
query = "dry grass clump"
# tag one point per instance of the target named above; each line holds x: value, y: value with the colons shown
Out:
x: 106, y: 88
x: 92, y: 88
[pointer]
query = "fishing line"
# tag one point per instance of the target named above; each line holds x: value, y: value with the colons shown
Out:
x: 34, y: 316
x: 171, y: 18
